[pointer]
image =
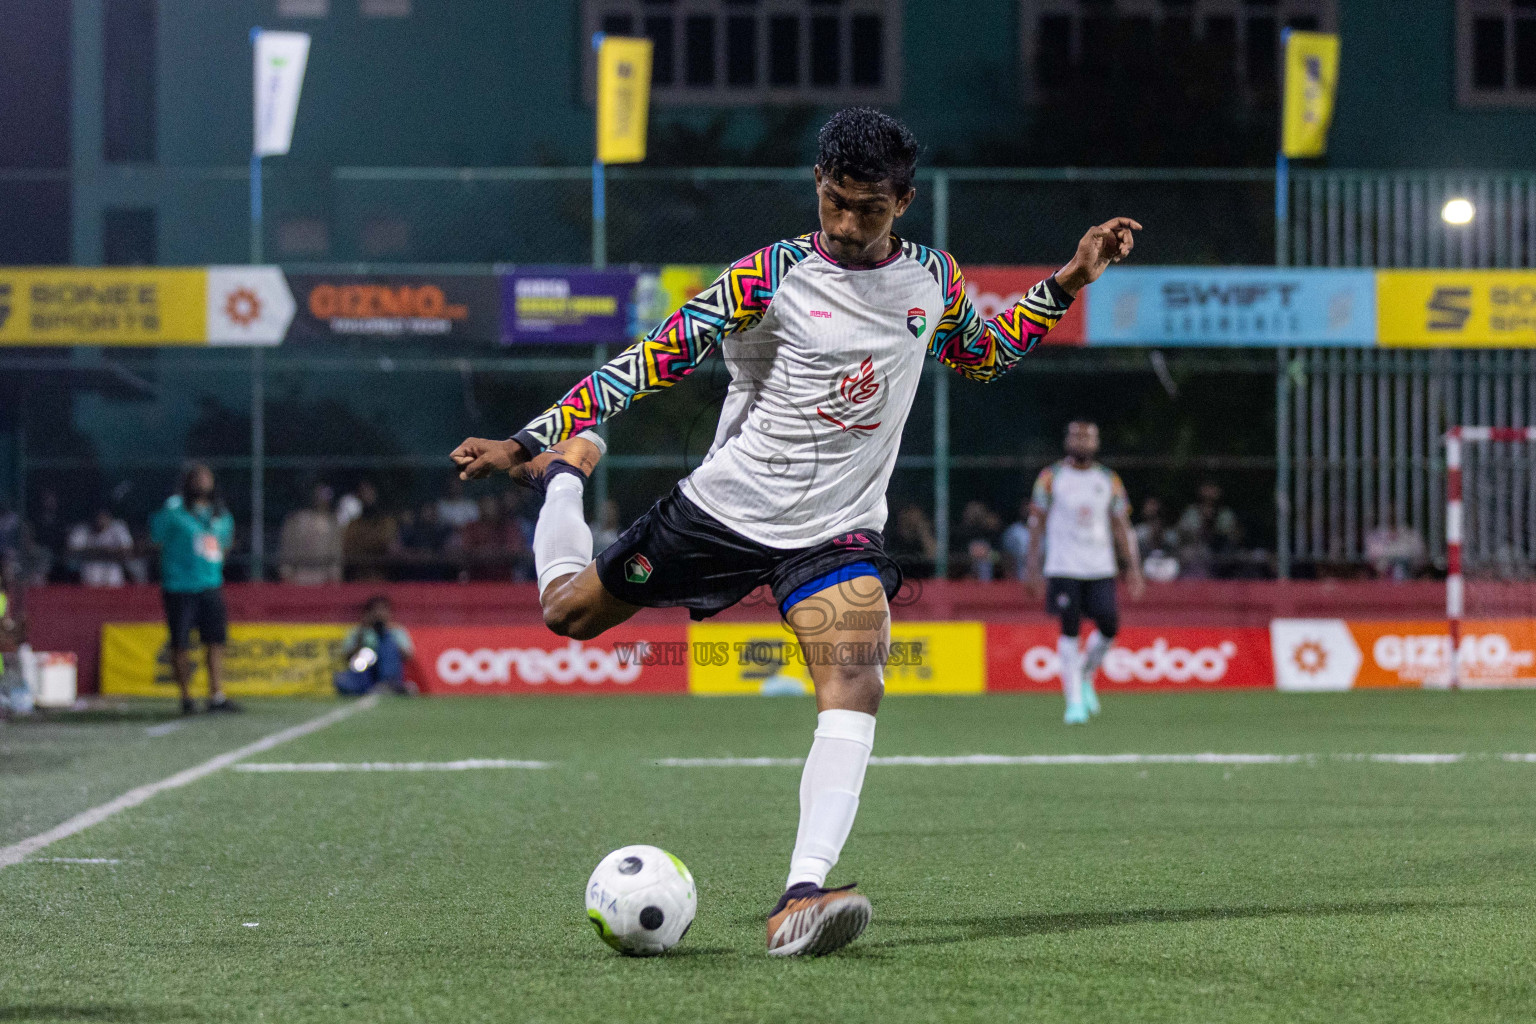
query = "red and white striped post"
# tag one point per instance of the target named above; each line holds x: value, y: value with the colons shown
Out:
x: 1455, y: 586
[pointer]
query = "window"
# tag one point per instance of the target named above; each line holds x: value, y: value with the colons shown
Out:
x: 722, y: 52
x: 1496, y: 53
x: 1062, y: 35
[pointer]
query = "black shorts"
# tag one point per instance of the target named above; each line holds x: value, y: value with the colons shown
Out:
x: 1072, y: 600
x: 677, y: 554
x: 203, y: 610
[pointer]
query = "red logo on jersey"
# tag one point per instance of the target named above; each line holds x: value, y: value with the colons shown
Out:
x: 854, y: 390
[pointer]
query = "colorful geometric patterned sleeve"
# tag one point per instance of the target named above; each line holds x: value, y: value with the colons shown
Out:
x: 1040, y: 498
x: 735, y: 302
x: 1119, y: 501
x: 984, y: 350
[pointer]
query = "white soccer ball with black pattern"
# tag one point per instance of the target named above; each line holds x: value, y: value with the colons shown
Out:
x: 641, y: 900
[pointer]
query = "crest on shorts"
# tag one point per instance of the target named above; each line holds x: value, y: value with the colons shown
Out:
x: 917, y: 321
x: 637, y: 569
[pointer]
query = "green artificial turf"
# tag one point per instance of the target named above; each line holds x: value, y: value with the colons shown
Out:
x: 1327, y: 890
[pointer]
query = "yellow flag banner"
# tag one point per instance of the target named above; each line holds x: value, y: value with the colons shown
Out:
x: 1311, y: 76
x: 271, y: 659
x: 623, y: 98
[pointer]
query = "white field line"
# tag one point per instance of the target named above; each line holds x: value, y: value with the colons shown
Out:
x: 265, y: 767
x: 75, y: 860
x: 18, y: 852
x: 1068, y: 760
x: 166, y: 728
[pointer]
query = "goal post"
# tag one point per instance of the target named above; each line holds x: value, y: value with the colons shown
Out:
x: 1500, y: 655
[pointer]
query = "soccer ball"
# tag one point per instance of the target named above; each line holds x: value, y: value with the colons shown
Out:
x: 641, y: 900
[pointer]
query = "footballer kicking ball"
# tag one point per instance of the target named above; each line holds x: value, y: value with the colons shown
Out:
x: 641, y: 900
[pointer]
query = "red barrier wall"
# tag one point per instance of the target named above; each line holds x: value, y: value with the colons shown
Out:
x: 70, y: 618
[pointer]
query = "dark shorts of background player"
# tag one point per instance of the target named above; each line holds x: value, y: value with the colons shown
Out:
x: 677, y: 554
x: 1072, y: 600
x: 203, y: 610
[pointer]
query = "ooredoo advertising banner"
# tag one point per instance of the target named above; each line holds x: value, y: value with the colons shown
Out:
x: 531, y: 659
x: 1142, y: 658
x: 1316, y: 655
x: 997, y: 289
x: 333, y: 307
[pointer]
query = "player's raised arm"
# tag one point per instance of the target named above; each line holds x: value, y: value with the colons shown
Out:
x: 986, y: 349
x: 736, y: 301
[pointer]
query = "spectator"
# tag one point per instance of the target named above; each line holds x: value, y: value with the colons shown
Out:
x: 194, y: 531
x: 377, y: 651
x: 103, y: 548
x: 1395, y: 552
x: 1152, y: 532
x: 1208, y: 534
x: 606, y: 530
x: 494, y: 543
x: 370, y: 539
x: 10, y: 530
x: 33, y: 562
x: 912, y: 542
x: 423, y: 540
x: 980, y: 528
x: 51, y: 532
x: 309, y: 551
x: 456, y: 509
x: 1015, y: 544
x: 15, y: 698
x: 350, y: 505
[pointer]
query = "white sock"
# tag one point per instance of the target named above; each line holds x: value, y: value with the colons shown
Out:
x: 1071, y: 681
x: 1098, y: 645
x: 562, y: 541
x: 829, y: 792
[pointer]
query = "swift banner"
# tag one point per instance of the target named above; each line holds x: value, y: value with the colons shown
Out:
x: 143, y: 306
x: 1313, y: 655
x: 765, y: 658
x: 279, y: 659
x: 531, y: 659
x: 1478, y: 308
x: 554, y: 305
x: 1141, y: 658
x: 1254, y: 307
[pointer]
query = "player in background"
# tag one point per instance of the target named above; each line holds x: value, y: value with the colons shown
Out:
x: 825, y: 337
x: 1081, y: 508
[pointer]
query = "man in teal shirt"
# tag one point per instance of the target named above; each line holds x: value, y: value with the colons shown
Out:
x: 193, y: 532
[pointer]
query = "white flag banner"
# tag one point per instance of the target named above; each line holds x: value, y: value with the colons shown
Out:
x: 280, y: 60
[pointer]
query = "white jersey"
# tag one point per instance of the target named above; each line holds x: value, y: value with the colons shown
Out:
x: 824, y: 360
x: 1078, y: 505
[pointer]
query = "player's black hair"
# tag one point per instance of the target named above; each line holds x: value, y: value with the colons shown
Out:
x: 863, y: 144
x: 376, y: 600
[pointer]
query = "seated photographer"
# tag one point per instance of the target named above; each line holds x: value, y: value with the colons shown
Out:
x: 376, y: 651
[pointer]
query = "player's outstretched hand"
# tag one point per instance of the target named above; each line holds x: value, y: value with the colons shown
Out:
x: 478, y: 457
x: 1104, y: 244
x: 1136, y: 583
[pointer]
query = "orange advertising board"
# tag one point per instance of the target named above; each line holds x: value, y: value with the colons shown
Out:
x: 1332, y: 654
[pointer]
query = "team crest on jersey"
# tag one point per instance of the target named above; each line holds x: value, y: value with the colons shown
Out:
x: 855, y: 401
x: 917, y: 321
x: 637, y: 569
